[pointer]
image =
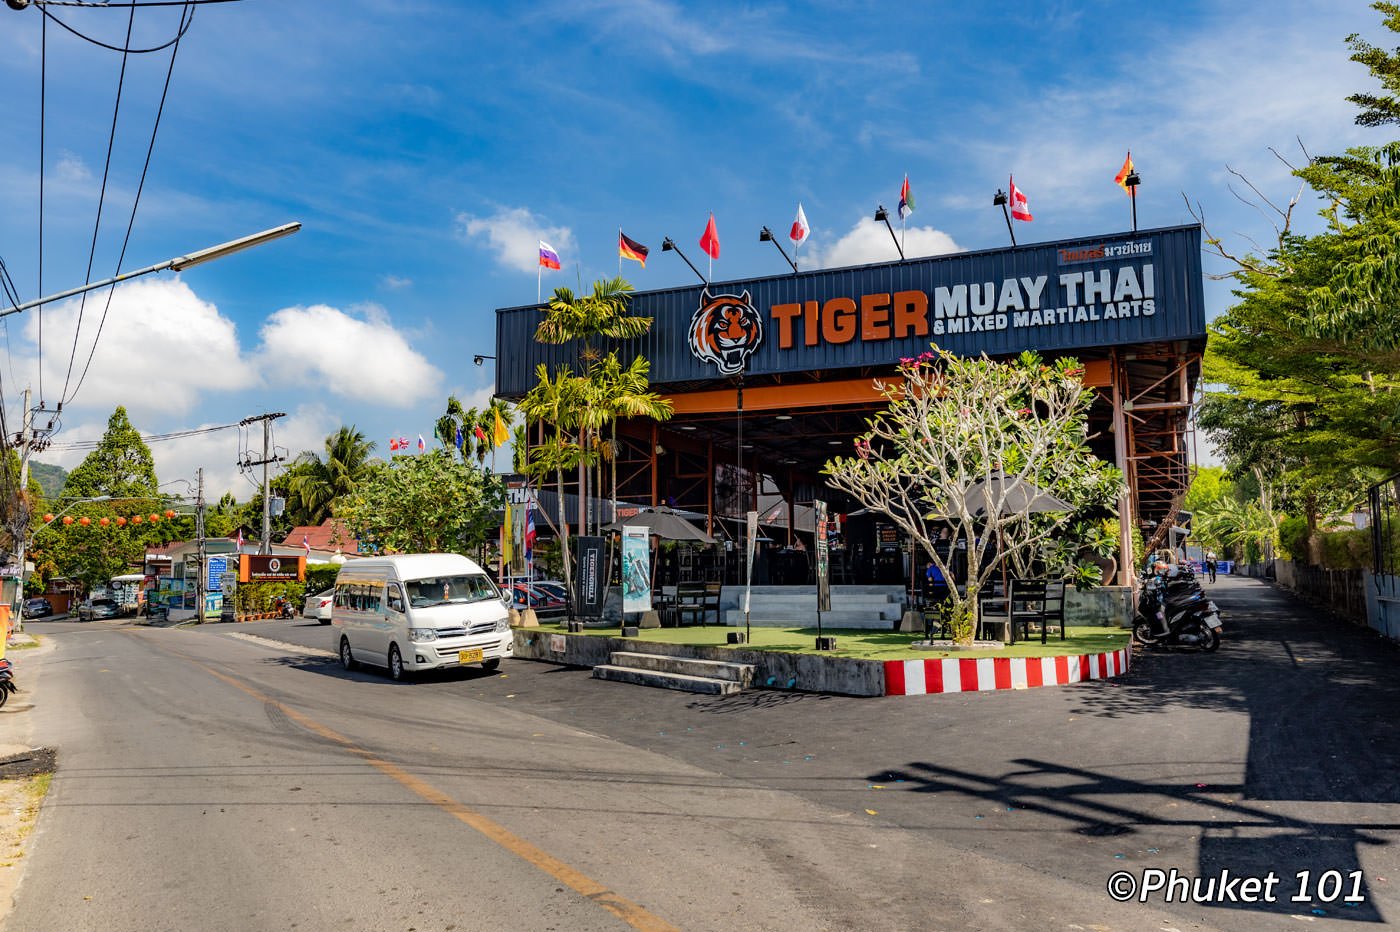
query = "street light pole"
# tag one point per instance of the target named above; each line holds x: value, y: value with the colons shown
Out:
x: 178, y: 264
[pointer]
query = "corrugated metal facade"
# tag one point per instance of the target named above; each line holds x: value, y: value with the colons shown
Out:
x: 1166, y: 261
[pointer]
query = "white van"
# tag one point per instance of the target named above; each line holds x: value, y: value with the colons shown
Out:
x: 419, y: 611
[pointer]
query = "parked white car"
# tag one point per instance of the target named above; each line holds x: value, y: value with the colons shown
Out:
x: 419, y: 611
x: 318, y: 605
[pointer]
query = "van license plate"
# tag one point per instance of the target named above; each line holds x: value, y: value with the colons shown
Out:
x: 469, y: 656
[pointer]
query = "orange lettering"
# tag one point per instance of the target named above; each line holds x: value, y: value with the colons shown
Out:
x: 875, y: 317
x: 910, y: 314
x: 839, y: 320
x: 809, y: 323
x: 784, y: 314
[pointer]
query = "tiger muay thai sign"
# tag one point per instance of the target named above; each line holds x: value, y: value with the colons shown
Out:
x: 725, y: 331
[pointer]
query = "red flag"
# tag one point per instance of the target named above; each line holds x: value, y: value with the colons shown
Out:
x: 1020, y: 207
x: 480, y: 434
x: 1121, y: 179
x: 710, y: 241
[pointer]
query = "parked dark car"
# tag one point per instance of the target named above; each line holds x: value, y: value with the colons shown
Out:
x: 37, y: 608
x: 92, y: 609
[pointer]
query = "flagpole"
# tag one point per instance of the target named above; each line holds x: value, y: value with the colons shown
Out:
x: 619, y: 252
x: 539, y: 290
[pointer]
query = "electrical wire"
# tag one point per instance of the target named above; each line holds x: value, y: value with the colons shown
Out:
x: 79, y: 445
x: 126, y: 49
x: 101, y: 197
x: 136, y: 201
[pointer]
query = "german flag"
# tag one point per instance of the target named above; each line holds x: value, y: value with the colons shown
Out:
x: 629, y: 248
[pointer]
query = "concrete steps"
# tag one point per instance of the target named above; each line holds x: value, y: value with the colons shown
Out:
x: 707, y: 677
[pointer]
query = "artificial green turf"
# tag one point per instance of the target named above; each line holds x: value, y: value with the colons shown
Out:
x: 864, y: 644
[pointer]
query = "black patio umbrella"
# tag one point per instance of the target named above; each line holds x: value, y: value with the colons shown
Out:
x: 665, y: 524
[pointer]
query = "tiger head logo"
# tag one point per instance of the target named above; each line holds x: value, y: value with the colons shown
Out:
x: 726, y: 331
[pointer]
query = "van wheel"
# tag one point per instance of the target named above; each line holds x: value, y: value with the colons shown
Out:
x: 493, y: 664
x: 347, y: 659
x: 395, y: 663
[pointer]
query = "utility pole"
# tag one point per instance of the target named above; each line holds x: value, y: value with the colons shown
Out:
x: 199, y: 543
x: 266, y: 546
x: 22, y: 518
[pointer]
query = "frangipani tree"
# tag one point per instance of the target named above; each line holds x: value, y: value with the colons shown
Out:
x: 958, y: 449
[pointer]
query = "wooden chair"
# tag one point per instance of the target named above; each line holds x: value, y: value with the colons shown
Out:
x: 1054, y: 610
x: 1027, y: 607
x: 697, y: 599
x: 994, y: 611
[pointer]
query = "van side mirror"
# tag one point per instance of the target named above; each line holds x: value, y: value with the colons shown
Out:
x: 396, y: 604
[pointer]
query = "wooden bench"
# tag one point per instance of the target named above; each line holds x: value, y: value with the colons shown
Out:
x: 696, y: 599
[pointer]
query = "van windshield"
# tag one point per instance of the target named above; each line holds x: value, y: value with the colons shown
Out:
x: 444, y: 590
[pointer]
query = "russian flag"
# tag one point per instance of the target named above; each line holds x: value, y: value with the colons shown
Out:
x: 421, y: 445
x: 548, y: 257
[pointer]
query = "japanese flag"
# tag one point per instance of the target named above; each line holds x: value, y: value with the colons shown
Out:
x: 800, y: 230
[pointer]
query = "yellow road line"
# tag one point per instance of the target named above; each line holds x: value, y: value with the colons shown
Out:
x: 631, y: 913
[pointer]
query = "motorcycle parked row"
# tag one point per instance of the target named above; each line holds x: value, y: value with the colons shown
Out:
x: 1173, y: 610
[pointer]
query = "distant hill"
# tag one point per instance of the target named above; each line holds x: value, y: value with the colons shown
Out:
x: 50, y: 478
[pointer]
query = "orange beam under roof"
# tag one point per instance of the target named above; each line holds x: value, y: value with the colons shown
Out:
x: 1097, y: 373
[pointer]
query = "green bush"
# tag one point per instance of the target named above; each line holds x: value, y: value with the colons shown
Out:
x: 1293, y: 538
x: 1349, y: 549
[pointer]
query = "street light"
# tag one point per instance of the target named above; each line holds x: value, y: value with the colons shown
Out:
x: 179, y: 264
x: 882, y: 214
x: 765, y: 235
x: 480, y: 358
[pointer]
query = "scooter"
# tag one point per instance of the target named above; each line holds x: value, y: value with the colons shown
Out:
x: 285, y: 609
x: 1176, y: 612
x: 7, y: 681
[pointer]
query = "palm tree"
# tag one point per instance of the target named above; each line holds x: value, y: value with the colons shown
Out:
x: 559, y: 402
x: 615, y: 392
x: 603, y: 313
x: 323, y: 481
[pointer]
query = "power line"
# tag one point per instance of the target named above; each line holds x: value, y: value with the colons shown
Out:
x: 136, y: 201
x: 127, y: 49
x: 75, y: 445
x: 101, y: 197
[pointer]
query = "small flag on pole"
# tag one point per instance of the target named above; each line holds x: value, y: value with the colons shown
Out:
x: 1020, y: 207
x: 549, y: 259
x: 709, y: 242
x: 459, y: 438
x: 800, y: 230
x: 906, y: 199
x: 421, y: 444
x: 1121, y: 179
x: 306, y: 545
x: 240, y: 540
x: 628, y: 248
x: 479, y: 433
x: 529, y: 531
x: 501, y: 433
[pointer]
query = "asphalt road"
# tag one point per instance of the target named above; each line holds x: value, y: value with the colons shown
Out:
x: 216, y: 778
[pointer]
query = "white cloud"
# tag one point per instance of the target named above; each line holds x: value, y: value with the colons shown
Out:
x: 514, y: 235
x: 71, y: 168
x: 869, y: 241
x: 160, y: 349
x: 361, y: 358
x: 395, y: 282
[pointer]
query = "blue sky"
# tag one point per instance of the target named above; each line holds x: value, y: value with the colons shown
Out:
x: 426, y: 147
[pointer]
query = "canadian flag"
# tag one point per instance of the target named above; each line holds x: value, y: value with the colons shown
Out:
x: 1020, y: 207
x: 800, y: 230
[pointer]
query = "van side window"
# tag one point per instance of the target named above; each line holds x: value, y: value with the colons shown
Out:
x: 395, y: 597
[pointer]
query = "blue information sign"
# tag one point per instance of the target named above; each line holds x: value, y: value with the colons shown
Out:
x: 217, y: 567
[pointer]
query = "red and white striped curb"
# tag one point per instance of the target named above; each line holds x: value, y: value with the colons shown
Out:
x: 981, y: 674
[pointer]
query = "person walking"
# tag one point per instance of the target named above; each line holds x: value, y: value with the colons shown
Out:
x: 1211, y: 563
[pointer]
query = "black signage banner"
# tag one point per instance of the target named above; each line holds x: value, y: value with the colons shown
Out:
x: 823, y: 558
x: 589, y: 575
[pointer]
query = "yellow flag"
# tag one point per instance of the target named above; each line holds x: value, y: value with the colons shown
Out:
x: 500, y: 434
